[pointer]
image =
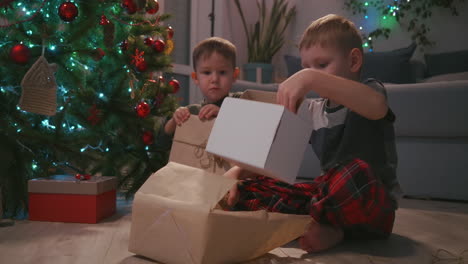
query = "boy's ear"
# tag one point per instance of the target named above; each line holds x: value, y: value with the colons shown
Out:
x: 195, y: 77
x: 356, y: 60
x: 236, y: 72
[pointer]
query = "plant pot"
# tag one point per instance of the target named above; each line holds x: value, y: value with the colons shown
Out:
x: 264, y: 72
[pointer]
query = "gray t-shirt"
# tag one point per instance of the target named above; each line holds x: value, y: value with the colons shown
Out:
x: 340, y: 135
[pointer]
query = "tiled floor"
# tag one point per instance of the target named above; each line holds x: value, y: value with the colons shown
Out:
x: 422, y: 228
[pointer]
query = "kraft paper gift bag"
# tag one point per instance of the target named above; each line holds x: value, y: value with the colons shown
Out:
x: 175, y: 219
x: 189, y: 143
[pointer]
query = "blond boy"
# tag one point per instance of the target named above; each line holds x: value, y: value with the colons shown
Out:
x: 353, y: 137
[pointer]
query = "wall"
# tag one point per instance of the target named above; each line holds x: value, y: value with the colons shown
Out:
x: 448, y: 31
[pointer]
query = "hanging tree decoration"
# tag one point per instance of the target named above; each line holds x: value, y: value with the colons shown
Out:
x: 143, y: 109
x: 68, y: 11
x: 142, y: 66
x: 170, y: 32
x: 39, y: 89
x: 148, y: 137
x: 104, y: 21
x: 20, y: 54
x: 139, y: 61
x: 175, y: 85
x: 152, y: 7
x: 169, y: 41
x: 159, y: 45
x: 169, y: 47
x: 109, y: 31
x: 138, y: 57
x: 148, y: 41
x: 129, y: 6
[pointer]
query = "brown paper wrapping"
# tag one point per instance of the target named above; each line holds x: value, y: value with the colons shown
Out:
x: 174, y: 220
x: 189, y: 144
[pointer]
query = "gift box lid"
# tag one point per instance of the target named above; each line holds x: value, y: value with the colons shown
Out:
x: 67, y: 184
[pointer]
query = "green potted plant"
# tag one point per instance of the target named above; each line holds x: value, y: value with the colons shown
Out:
x: 265, y: 37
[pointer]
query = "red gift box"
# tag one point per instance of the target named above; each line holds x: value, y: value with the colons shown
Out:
x: 63, y: 198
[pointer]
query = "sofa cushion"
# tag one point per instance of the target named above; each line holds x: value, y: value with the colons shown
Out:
x: 436, y: 109
x: 389, y: 66
x: 447, y: 62
x: 448, y: 77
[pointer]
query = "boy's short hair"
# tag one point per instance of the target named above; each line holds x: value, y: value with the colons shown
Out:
x: 214, y: 44
x: 332, y: 30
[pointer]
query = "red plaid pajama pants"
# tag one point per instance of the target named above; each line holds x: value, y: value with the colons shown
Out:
x: 348, y: 196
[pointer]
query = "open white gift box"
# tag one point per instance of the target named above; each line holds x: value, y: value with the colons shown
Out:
x: 261, y: 136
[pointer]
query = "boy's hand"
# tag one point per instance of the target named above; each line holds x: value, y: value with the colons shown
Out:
x: 291, y: 92
x: 239, y: 174
x: 208, y: 111
x: 181, y: 115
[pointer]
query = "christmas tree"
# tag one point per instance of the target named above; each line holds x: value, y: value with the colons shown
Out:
x: 84, y: 86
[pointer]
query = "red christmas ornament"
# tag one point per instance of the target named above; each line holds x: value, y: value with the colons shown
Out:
x: 175, y: 85
x: 149, y: 41
x: 68, y: 11
x: 142, y: 66
x: 148, y: 137
x: 153, y: 7
x: 98, y: 54
x: 130, y: 6
x: 143, y: 109
x: 124, y: 45
x: 159, y: 45
x: 104, y: 21
x: 82, y: 177
x: 20, y: 54
x: 170, y: 32
x: 94, y: 115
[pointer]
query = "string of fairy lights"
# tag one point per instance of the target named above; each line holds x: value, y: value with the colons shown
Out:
x: 373, y: 17
x: 27, y: 11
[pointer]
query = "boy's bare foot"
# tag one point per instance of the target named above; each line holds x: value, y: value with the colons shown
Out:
x: 320, y: 237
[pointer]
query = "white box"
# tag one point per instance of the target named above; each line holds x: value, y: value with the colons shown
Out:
x: 263, y: 137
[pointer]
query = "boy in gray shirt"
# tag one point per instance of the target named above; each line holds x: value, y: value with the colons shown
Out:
x: 353, y: 136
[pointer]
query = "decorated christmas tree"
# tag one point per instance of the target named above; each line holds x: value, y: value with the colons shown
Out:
x: 84, y: 89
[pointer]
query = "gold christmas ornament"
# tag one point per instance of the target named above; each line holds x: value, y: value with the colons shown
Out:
x: 169, y: 47
x: 39, y: 89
